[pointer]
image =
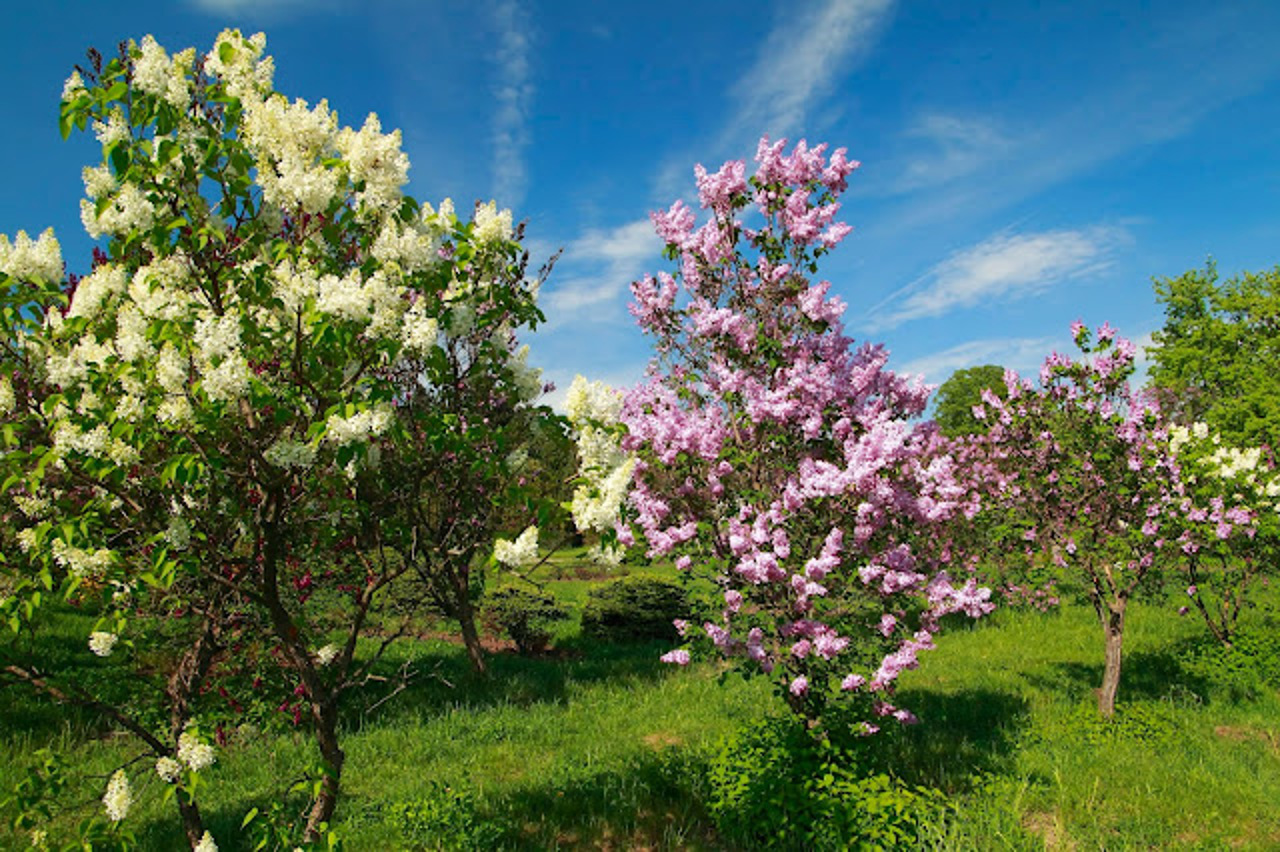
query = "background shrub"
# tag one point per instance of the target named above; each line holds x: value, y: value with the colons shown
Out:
x: 528, y: 618
x: 773, y: 786
x: 634, y: 608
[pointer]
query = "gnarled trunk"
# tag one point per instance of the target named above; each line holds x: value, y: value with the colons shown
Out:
x: 183, y: 685
x: 326, y: 720
x: 1113, y: 628
x: 466, y: 614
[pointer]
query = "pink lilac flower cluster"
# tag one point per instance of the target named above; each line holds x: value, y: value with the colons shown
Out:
x: 777, y: 456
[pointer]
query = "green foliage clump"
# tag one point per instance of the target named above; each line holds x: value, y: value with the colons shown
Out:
x: 445, y: 817
x: 529, y: 618
x: 774, y: 786
x: 954, y: 402
x: 634, y: 608
x: 1244, y: 670
x: 1217, y: 359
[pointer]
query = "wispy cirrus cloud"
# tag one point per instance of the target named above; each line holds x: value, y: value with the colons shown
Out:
x: 951, y: 147
x: 1023, y: 354
x: 260, y: 8
x: 513, y: 95
x: 799, y: 62
x: 605, y: 262
x: 1081, y: 125
x: 1003, y: 267
x: 795, y: 70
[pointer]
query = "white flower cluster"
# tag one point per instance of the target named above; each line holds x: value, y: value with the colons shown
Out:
x: 81, y: 563
x: 73, y: 87
x: 26, y: 259
x: 96, y: 443
x: 421, y: 333
x: 70, y: 367
x: 194, y: 753
x: 7, y: 399
x: 593, y: 407
x: 160, y: 290
x: 118, y: 798
x: 291, y: 140
x: 286, y: 454
x: 1243, y: 468
x: 114, y: 130
x: 206, y: 844
x: 34, y: 507
x: 375, y: 159
x: 156, y: 74
x: 97, y: 289
x: 610, y: 557
x: 592, y: 401
x: 128, y: 210
x: 528, y: 380
x: 224, y: 372
x: 239, y: 62
x: 358, y: 427
x: 515, y: 554
x: 595, y: 505
x: 327, y: 654
x: 492, y: 225
x: 178, y: 533
x: 414, y: 246
x: 102, y: 643
x: 1181, y: 436
x: 169, y: 769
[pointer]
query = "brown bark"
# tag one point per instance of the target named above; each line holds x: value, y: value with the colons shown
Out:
x: 183, y: 684
x: 467, y: 621
x: 1113, y: 628
x: 325, y: 715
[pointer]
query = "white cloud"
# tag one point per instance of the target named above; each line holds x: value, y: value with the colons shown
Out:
x: 258, y: 8
x: 812, y: 46
x: 1005, y: 266
x: 1023, y: 354
x: 957, y: 146
x: 618, y: 256
x: 1129, y: 101
x: 513, y: 95
x: 800, y: 59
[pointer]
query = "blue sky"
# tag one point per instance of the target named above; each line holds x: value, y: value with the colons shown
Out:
x: 1024, y: 164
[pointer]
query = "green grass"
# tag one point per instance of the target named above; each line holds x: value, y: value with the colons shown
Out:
x: 600, y: 746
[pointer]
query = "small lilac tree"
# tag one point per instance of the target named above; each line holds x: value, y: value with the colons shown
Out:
x: 1087, y: 477
x: 777, y: 459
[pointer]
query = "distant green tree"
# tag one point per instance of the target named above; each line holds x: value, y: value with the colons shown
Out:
x: 1217, y: 359
x: 959, y: 394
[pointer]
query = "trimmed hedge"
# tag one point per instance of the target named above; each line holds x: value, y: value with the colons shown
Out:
x: 529, y: 618
x: 634, y: 608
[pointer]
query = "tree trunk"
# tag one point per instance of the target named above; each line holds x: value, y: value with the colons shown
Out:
x: 470, y: 636
x: 183, y: 685
x: 1113, y: 628
x: 326, y: 719
x: 192, y: 822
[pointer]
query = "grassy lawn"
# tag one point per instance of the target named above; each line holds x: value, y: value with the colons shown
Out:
x: 600, y: 746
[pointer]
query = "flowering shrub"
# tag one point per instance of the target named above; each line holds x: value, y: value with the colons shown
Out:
x: 774, y: 457
x: 1081, y: 466
x: 196, y: 432
x: 1230, y: 523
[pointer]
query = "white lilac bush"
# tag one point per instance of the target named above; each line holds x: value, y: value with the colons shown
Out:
x: 194, y: 431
